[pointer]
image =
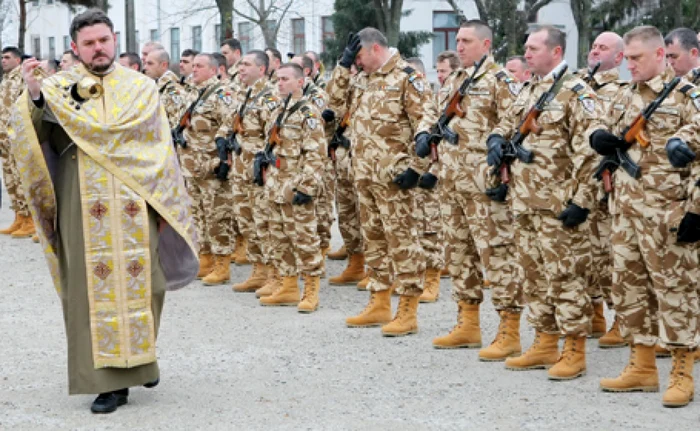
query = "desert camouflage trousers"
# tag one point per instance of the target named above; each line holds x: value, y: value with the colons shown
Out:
x: 429, y: 224
x: 293, y: 239
x: 554, y: 261
x: 479, y: 234
x: 324, y: 207
x: 348, y: 207
x: 654, y: 281
x: 247, y: 198
x: 11, y: 178
x: 391, y: 238
x: 212, y: 208
x: 600, y: 273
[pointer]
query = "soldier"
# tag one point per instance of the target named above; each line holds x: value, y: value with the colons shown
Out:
x: 683, y: 54
x: 148, y: 47
x: 551, y: 197
x: 275, y: 58
x: 655, y: 219
x: 293, y: 182
x: 605, y: 57
x: 478, y: 230
x: 517, y: 66
x: 211, y: 194
x: 185, y: 66
x: 429, y: 220
x: 317, y: 73
x: 346, y: 201
x: 172, y: 95
x: 130, y: 60
x: 390, y: 106
x: 231, y: 49
x: 255, y: 100
x: 222, y: 69
x: 447, y: 63
x: 11, y: 88
x: 68, y: 60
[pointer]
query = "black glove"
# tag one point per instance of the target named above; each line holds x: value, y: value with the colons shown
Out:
x: 606, y: 144
x: 427, y: 181
x: 495, y: 144
x: 689, y: 229
x: 573, y: 215
x: 498, y: 194
x: 350, y: 52
x: 408, y: 179
x: 328, y: 115
x: 679, y: 153
x: 423, y: 144
x: 301, y: 198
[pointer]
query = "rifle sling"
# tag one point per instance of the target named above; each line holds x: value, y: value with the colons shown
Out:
x: 203, y: 95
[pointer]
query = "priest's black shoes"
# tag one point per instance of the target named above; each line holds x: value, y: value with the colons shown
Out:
x: 109, y: 401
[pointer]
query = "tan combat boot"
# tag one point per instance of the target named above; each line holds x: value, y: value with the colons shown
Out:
x: 221, y: 272
x: 681, y: 390
x: 340, y: 254
x: 431, y: 289
x: 288, y: 294
x: 240, y: 255
x: 16, y: 224
x: 467, y: 332
x: 640, y: 374
x: 362, y: 285
x: 543, y: 353
x: 256, y: 280
x: 376, y: 313
x: 598, y: 323
x: 697, y: 354
x: 35, y: 238
x: 206, y: 264
x: 27, y: 230
x: 273, y: 282
x: 612, y: 338
x: 507, y: 342
x: 572, y: 362
x: 354, y: 273
x: 309, y: 302
x: 406, y: 320
x: 662, y: 352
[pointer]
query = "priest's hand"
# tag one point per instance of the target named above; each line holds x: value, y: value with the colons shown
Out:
x: 33, y: 85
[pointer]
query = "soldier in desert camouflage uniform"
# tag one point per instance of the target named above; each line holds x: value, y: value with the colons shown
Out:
x: 655, y: 221
x: 550, y: 199
x: 683, y: 54
x: 390, y: 105
x: 479, y: 229
x: 172, y: 95
x: 11, y: 88
x: 251, y: 206
x: 606, y: 51
x: 293, y: 182
x: 211, y: 196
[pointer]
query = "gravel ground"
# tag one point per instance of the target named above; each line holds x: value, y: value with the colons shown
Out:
x: 228, y: 363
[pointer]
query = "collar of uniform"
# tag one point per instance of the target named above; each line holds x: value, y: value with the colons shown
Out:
x: 607, y: 76
x: 211, y: 81
x: 258, y: 85
x: 693, y: 75
x: 17, y: 71
x: 657, y: 83
x: 390, y: 63
x: 488, y: 63
x: 548, y: 78
x: 167, y: 77
x: 233, y: 69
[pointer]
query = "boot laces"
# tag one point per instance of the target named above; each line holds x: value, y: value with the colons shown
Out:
x: 309, y: 294
x: 678, y: 368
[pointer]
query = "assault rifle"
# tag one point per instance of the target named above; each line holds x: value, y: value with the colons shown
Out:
x: 264, y: 158
x: 632, y: 133
x: 592, y: 72
x: 233, y: 145
x: 338, y: 140
x: 178, y: 136
x: 514, y: 147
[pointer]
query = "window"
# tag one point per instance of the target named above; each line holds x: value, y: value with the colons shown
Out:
x: 175, y: 44
x: 197, y: 38
x: 66, y: 43
x: 328, y: 31
x: 154, y: 35
x: 137, y: 39
x: 35, y: 2
x: 36, y: 46
x: 245, y: 33
x: 119, y: 43
x: 298, y: 36
x: 445, y: 28
x: 217, y: 35
x: 49, y: 1
x: 52, y: 48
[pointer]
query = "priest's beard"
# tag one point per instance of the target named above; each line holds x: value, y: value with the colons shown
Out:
x: 99, y: 69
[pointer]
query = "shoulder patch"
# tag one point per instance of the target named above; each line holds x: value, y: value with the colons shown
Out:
x: 588, y: 102
x: 409, y: 70
x: 500, y: 75
x: 310, y: 118
x: 577, y: 88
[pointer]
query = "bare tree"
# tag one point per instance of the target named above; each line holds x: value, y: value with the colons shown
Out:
x: 266, y: 14
x: 389, y: 14
x: 581, y: 9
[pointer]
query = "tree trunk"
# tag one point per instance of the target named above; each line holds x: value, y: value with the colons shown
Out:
x: 226, y: 18
x: 131, y: 42
x: 394, y: 29
x: 581, y: 10
x: 269, y: 34
x: 22, y: 24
